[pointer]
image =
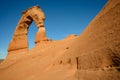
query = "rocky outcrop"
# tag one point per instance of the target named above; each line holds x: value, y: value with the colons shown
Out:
x: 19, y: 40
x: 97, y: 50
x: 94, y: 55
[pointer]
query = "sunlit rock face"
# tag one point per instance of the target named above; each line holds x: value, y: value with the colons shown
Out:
x: 19, y: 41
x: 97, y: 50
x: 94, y: 55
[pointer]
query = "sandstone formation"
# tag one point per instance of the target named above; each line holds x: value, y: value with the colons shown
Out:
x: 94, y: 55
x: 97, y: 50
x: 19, y: 41
x: 1, y: 60
x: 71, y: 36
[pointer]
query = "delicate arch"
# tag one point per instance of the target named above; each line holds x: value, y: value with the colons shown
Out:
x: 19, y: 41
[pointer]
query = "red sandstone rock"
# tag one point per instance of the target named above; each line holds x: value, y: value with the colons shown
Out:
x: 19, y: 40
x: 94, y: 55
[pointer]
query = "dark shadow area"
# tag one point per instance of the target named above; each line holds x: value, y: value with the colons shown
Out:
x: 1, y: 60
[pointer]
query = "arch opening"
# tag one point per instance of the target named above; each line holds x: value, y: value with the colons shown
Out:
x: 31, y: 35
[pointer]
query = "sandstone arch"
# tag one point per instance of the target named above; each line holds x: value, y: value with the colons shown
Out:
x: 19, y: 41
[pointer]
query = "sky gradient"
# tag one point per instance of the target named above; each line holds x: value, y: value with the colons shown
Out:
x: 63, y: 17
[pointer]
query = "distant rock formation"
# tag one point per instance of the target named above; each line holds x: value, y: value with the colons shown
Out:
x: 72, y: 35
x: 20, y: 40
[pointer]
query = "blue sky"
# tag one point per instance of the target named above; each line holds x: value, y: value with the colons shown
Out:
x: 63, y: 17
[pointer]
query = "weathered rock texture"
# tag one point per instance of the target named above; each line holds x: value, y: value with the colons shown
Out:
x: 20, y: 40
x: 94, y: 55
x: 97, y: 50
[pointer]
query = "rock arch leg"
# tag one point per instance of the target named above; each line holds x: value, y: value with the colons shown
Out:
x: 19, y: 41
x: 41, y: 35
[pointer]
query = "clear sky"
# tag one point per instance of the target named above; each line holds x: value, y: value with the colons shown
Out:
x: 63, y: 17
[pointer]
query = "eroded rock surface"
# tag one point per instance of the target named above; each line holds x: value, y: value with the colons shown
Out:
x: 94, y: 55
x: 20, y: 40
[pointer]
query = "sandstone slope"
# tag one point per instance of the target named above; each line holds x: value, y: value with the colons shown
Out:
x: 94, y: 55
